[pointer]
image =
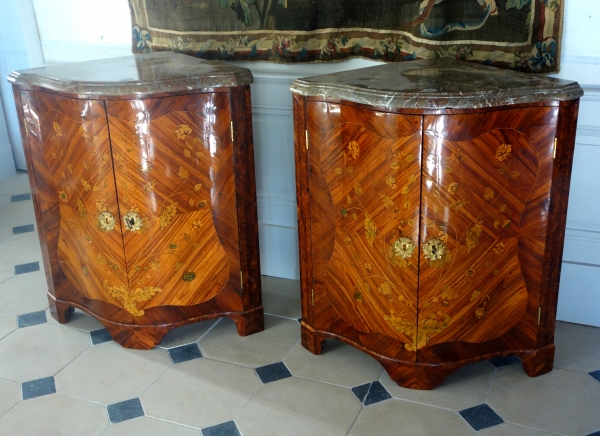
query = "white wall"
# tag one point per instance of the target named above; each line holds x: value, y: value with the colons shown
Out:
x: 68, y: 34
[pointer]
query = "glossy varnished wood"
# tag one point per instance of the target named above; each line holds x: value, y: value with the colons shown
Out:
x: 500, y: 213
x: 176, y: 163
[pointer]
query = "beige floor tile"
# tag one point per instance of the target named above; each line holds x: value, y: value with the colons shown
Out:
x: 464, y: 388
x: 186, y: 334
x: 148, y: 427
x: 82, y: 321
x: 21, y: 248
x: 577, y: 347
x: 340, y: 364
x: 17, y: 184
x: 39, y: 351
x: 275, y: 304
x: 108, y: 373
x: 6, y: 271
x: 5, y: 232
x: 270, y: 346
x: 17, y: 214
x: 24, y: 293
x: 10, y: 395
x: 561, y: 401
x: 54, y: 415
x: 8, y: 323
x: 512, y: 430
x: 201, y: 393
x: 284, y: 287
x: 298, y: 407
x: 399, y: 418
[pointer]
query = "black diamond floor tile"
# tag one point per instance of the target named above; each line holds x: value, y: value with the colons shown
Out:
x: 361, y: 391
x: 596, y: 433
x: 273, y: 372
x: 33, y: 318
x: 596, y: 374
x: 371, y: 393
x: 22, y: 229
x: 500, y: 362
x: 184, y: 353
x: 20, y: 197
x: 376, y: 394
x: 37, y: 388
x: 480, y: 417
x: 226, y: 429
x: 27, y: 268
x: 100, y: 336
x: 125, y: 410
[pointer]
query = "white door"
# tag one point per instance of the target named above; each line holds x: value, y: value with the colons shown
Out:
x: 13, y: 56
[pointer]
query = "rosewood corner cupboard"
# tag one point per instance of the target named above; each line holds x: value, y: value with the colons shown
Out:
x: 432, y: 199
x: 142, y: 175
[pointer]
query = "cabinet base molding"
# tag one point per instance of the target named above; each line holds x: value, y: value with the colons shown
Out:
x: 426, y: 376
x: 145, y: 337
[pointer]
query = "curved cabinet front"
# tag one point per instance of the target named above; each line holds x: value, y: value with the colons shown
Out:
x: 140, y: 212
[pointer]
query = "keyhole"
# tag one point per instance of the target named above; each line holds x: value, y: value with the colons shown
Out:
x: 130, y: 223
x: 433, y: 250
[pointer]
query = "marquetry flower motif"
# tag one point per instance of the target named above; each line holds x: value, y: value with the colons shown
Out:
x: 154, y: 264
x: 370, y: 231
x: 196, y: 224
x: 480, y: 312
x: 358, y: 297
x: 130, y: 299
x: 63, y: 196
x: 458, y: 205
x: 448, y: 293
x: 202, y: 204
x: 473, y: 235
x: 84, y: 270
x: 452, y: 188
x: 183, y: 173
x: 347, y: 240
x: 188, y: 276
x: 387, y: 202
x: 167, y: 214
x: 385, y: 289
x: 457, y: 155
x: 354, y: 149
x: 488, y: 194
x: 391, y: 182
x: 82, y: 209
x: 57, y: 129
x: 475, y: 295
x: 82, y: 131
x: 470, y: 272
x: 182, y: 131
x: 358, y: 190
x: 148, y: 187
x: 85, y: 185
x: 502, y: 152
x: 173, y: 246
x: 178, y: 266
x: 499, y: 248
x: 367, y: 266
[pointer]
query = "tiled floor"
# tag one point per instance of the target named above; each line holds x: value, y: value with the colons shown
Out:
x: 204, y: 379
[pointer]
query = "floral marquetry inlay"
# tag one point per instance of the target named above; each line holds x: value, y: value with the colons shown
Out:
x: 131, y: 299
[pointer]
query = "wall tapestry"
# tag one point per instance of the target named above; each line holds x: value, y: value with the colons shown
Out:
x: 519, y: 34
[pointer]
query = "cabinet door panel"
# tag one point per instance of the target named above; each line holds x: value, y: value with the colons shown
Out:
x: 175, y: 182
x: 70, y: 147
x: 484, y: 198
x: 365, y: 187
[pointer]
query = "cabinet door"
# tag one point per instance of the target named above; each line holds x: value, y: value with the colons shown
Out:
x: 485, y: 197
x: 174, y: 172
x: 365, y: 190
x: 71, y: 166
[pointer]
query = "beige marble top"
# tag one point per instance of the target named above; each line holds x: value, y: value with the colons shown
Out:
x: 436, y: 83
x: 144, y: 74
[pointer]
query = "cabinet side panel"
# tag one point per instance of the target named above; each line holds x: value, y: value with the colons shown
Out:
x: 486, y: 190
x: 364, y: 170
x: 70, y: 153
x: 175, y: 182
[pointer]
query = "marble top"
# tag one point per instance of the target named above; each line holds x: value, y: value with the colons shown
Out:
x: 144, y: 74
x: 436, y: 84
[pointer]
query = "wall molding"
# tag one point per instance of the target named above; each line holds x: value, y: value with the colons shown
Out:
x: 269, y: 109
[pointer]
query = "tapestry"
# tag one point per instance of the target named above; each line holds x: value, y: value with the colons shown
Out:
x: 523, y: 35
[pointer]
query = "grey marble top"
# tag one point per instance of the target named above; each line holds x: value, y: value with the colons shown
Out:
x: 436, y: 84
x: 144, y: 74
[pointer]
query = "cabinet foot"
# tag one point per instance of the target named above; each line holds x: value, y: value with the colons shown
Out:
x: 60, y: 311
x: 136, y: 338
x: 418, y: 377
x: 251, y: 322
x: 538, y: 362
x: 311, y: 341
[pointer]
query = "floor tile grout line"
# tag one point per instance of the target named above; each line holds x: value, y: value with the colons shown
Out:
x: 534, y: 428
x: 362, y: 407
x: 281, y: 316
x: 207, y: 331
x: 170, y: 422
x: 489, y: 389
